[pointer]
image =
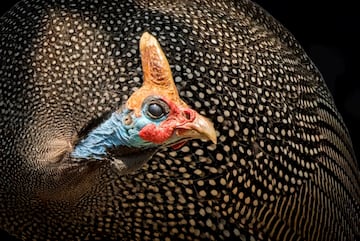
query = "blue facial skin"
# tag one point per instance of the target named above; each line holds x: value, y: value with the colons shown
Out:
x: 114, y: 133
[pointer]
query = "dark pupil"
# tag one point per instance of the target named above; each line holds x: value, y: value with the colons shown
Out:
x: 155, y: 110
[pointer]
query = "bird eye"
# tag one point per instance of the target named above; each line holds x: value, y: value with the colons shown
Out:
x: 156, y: 108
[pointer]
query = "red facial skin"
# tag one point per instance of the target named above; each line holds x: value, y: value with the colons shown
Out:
x: 176, y: 119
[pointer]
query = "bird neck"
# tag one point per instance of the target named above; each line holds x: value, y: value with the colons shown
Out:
x: 108, y: 135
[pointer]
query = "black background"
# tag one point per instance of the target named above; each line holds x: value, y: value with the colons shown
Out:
x: 328, y: 31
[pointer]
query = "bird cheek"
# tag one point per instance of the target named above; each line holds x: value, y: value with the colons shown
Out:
x: 156, y: 134
x: 159, y: 134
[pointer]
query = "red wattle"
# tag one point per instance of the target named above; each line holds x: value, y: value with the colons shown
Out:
x: 155, y: 134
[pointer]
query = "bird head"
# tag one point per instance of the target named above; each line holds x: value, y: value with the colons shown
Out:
x: 154, y: 116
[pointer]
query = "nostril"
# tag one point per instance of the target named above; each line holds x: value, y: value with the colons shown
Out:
x: 187, y: 114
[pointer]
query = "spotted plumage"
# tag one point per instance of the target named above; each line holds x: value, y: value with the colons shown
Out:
x: 283, y: 168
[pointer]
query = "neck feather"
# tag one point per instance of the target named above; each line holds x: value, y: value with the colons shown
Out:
x: 109, y: 134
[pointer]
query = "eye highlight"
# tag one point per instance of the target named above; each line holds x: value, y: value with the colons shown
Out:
x: 155, y: 108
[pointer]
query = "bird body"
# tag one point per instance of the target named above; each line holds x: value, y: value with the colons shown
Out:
x: 74, y: 79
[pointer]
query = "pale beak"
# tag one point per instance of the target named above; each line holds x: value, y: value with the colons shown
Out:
x: 200, y: 128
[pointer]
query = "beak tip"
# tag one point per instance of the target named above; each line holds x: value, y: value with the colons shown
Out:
x: 214, y: 141
x: 210, y: 133
x: 208, y: 130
